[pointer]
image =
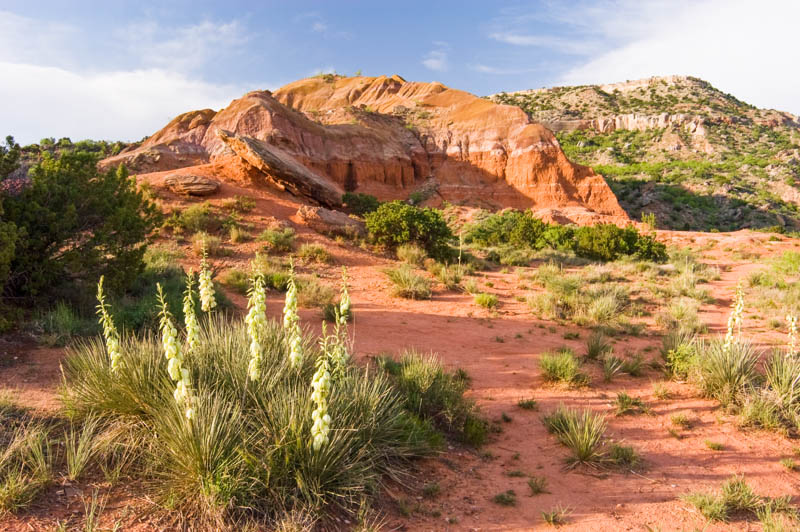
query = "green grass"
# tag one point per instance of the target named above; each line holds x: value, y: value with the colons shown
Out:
x: 528, y: 404
x: 582, y: 432
x: 714, y: 446
x: 737, y: 497
x: 625, y: 404
x: 624, y: 456
x: 562, y: 367
x: 537, y: 485
x: 726, y: 372
x: 505, y: 498
x: 485, y: 300
x: 612, y: 366
x: 682, y: 419
x: 279, y: 240
x: 597, y: 345
x: 556, y: 516
x: 314, y: 253
x: 411, y: 254
x: 408, y: 284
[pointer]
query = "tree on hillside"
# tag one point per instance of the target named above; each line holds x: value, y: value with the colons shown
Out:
x: 74, y: 222
x: 9, y: 161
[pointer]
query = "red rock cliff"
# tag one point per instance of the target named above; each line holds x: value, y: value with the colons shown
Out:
x: 386, y: 136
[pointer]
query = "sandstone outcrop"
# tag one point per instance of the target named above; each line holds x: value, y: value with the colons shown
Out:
x: 329, y: 222
x: 384, y: 136
x: 191, y: 185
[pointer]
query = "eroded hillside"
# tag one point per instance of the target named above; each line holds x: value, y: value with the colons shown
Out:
x: 677, y: 147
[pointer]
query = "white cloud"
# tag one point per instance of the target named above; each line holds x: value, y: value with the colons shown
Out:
x: 39, y: 101
x: 568, y: 46
x: 183, y: 48
x: 488, y: 69
x: 746, y: 49
x: 436, y: 59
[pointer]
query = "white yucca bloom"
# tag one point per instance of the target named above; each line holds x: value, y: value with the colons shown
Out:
x: 320, y: 385
x: 207, y: 301
x: 189, y: 315
x: 735, y: 317
x: 792, y: 320
x: 110, y: 333
x: 172, y: 351
x: 256, y: 321
x: 344, y: 300
x: 291, y: 323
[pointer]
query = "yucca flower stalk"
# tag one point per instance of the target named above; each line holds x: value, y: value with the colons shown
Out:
x: 735, y: 317
x: 256, y: 321
x: 172, y: 350
x: 344, y: 300
x: 792, y: 321
x: 189, y: 315
x: 291, y: 322
x: 207, y: 301
x: 110, y: 333
x: 320, y: 384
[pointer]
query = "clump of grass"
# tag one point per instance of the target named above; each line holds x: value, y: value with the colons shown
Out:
x: 412, y: 254
x: 682, y: 420
x: 581, y: 432
x: 556, y: 516
x: 431, y: 489
x: 434, y: 394
x: 528, y: 404
x: 612, y: 366
x: 408, y: 284
x: 737, y: 497
x: 237, y: 280
x: 279, y: 240
x: 314, y: 253
x: 562, y: 367
x: 505, y: 498
x: 211, y: 243
x: 790, y: 464
x: 714, y: 446
x: 313, y: 294
x: 199, y: 217
x: 660, y: 391
x: 537, y: 485
x: 624, y: 456
x: 240, y: 204
x: 515, y: 473
x: 449, y: 275
x: 597, y: 345
x: 237, y: 234
x: 625, y: 404
x: 633, y: 366
x: 485, y: 300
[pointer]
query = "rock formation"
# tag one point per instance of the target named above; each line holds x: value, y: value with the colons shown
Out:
x: 191, y: 185
x: 384, y: 136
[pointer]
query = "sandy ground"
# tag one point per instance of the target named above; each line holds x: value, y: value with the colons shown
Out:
x: 500, y: 352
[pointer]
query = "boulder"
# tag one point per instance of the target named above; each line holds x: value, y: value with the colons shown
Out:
x: 283, y: 170
x: 191, y: 185
x: 329, y: 222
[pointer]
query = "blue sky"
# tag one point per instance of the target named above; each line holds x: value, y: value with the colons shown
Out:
x: 121, y: 70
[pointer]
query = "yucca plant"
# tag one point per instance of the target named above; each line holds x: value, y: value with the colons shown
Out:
x: 582, y: 432
x: 408, y: 284
x: 783, y: 378
x: 563, y: 367
x: 726, y: 368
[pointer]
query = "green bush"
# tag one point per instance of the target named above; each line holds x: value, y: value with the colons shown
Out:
x: 72, y: 223
x: 395, y: 223
x: 726, y: 371
x: 246, y: 455
x: 411, y: 254
x: 280, y: 240
x: 314, y: 253
x: 432, y: 393
x: 360, y: 204
x: 562, y: 367
x: 485, y: 300
x: 194, y: 218
x: 313, y: 294
x: 581, y: 432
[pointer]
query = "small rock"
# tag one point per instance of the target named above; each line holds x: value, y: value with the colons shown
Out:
x: 329, y: 222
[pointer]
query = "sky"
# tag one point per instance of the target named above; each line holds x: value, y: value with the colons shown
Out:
x: 120, y: 70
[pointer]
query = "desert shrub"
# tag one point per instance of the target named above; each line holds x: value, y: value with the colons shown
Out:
x: 70, y: 224
x: 582, y: 433
x: 597, y: 345
x: 411, y: 254
x: 679, y: 353
x: 434, y: 394
x: 396, y: 223
x: 726, y: 371
x: 562, y: 366
x: 198, y: 217
x: 240, y: 204
x: 360, y: 204
x: 313, y: 294
x: 408, y: 284
x: 612, y: 365
x: 237, y: 280
x: 280, y: 240
x: 211, y: 243
x: 273, y: 270
x: 247, y: 451
x: 485, y: 300
x: 314, y: 253
x: 237, y: 234
x: 62, y: 323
